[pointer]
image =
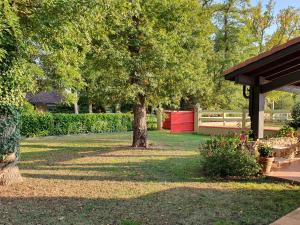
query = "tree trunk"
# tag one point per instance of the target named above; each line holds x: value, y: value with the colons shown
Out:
x: 90, y: 107
x: 9, y: 171
x: 76, y: 108
x: 140, y: 138
x: 9, y: 146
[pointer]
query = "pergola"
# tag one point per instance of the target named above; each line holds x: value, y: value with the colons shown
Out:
x: 277, y: 69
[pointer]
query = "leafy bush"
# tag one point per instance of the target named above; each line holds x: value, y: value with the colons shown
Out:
x: 43, y: 124
x: 9, y: 130
x: 27, y: 108
x: 224, y: 157
x: 296, y: 116
x: 286, y: 131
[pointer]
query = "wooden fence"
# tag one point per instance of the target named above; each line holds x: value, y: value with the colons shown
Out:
x: 241, y: 117
x: 231, y: 118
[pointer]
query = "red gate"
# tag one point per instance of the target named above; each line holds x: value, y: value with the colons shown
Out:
x: 179, y: 121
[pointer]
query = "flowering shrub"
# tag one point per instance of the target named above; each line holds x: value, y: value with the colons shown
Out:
x: 223, y: 157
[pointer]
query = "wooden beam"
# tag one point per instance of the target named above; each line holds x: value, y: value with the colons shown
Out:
x: 283, y: 72
x: 281, y: 82
x: 243, y: 79
x: 257, y: 108
x: 264, y: 61
x: 279, y: 66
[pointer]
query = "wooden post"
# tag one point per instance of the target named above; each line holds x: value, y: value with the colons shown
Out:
x: 200, y: 116
x: 224, y: 116
x: 197, y: 116
x: 272, y: 112
x: 272, y: 116
x: 159, y: 116
x: 258, y: 106
x: 244, y: 119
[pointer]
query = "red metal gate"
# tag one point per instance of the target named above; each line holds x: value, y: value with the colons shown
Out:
x: 179, y: 121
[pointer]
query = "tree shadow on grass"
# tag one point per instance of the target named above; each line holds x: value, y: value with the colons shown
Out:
x: 138, y: 165
x: 176, y: 169
x: 182, y: 206
x: 51, y: 164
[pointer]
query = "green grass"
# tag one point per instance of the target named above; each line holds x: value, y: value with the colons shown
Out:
x: 100, y: 179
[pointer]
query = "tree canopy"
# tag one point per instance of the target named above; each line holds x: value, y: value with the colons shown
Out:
x: 142, y: 53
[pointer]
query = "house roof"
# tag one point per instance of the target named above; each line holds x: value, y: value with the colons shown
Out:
x: 44, y: 98
x: 279, y: 66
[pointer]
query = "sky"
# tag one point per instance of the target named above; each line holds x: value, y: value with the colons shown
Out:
x: 281, y: 4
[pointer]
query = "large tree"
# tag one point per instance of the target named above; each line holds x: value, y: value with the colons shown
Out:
x: 151, y: 52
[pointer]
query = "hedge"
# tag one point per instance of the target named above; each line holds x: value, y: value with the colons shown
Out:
x: 47, y: 124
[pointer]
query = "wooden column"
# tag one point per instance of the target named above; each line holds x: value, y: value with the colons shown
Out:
x: 257, y: 110
x: 244, y: 119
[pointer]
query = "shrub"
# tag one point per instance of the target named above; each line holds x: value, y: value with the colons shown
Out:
x: 224, y: 157
x: 286, y: 131
x: 43, y: 124
x: 9, y: 130
x: 296, y: 116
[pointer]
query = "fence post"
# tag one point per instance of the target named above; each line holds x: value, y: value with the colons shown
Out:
x: 159, y: 116
x: 244, y: 119
x: 224, y: 116
x: 197, y: 117
x: 272, y: 115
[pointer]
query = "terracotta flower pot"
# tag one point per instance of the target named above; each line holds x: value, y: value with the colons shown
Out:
x: 266, y: 163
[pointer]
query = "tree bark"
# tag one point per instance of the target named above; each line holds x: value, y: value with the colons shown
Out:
x: 140, y: 137
x: 9, y: 145
x: 9, y: 171
x: 76, y: 110
x: 90, y: 107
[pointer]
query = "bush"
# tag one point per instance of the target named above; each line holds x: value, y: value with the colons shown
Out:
x: 9, y: 130
x: 286, y: 131
x: 43, y: 124
x: 224, y: 157
x: 296, y: 116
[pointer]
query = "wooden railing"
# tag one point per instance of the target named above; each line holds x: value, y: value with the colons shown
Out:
x: 242, y: 117
x: 236, y: 118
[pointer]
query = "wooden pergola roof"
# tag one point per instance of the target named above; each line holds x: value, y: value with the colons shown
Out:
x: 277, y: 68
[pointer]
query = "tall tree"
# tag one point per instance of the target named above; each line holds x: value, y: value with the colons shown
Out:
x: 233, y: 43
x: 261, y: 21
x: 287, y: 27
x: 151, y: 54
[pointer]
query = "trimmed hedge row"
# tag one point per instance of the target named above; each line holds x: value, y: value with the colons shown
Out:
x: 46, y: 124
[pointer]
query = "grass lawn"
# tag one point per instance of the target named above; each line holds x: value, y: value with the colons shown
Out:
x: 99, y: 179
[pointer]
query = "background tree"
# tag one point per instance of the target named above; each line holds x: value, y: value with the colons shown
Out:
x: 233, y: 43
x: 287, y: 27
x: 56, y: 35
x: 261, y: 21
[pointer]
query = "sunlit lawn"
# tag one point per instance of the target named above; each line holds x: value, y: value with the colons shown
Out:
x: 99, y: 179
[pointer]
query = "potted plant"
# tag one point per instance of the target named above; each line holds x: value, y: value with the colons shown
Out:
x: 266, y: 158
